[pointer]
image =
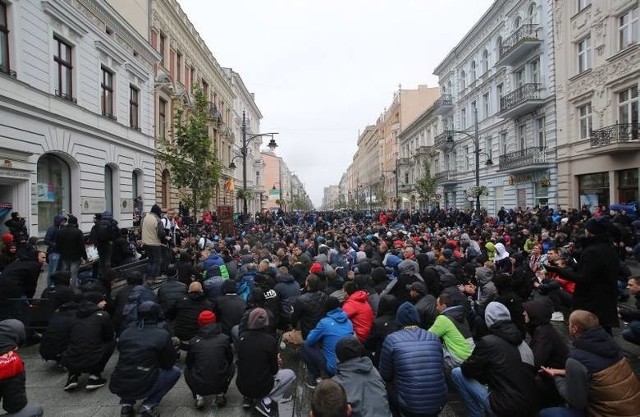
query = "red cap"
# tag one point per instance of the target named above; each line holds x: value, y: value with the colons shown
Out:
x: 316, y: 268
x: 7, y: 238
x: 206, y: 317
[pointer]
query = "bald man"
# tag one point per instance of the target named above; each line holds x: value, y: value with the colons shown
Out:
x: 597, y: 379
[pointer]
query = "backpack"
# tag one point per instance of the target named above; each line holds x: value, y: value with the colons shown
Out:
x: 106, y: 230
x: 243, y: 289
x: 138, y: 295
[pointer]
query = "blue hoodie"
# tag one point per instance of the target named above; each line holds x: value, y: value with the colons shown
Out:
x: 333, y: 327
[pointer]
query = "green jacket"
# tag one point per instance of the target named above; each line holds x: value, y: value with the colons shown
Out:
x: 452, y: 339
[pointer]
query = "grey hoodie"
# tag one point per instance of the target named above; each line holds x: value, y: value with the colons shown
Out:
x: 364, y: 387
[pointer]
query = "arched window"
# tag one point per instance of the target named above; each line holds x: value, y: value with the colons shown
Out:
x: 166, y: 189
x: 516, y: 23
x: 485, y: 61
x: 463, y: 80
x: 53, y: 189
x: 449, y: 87
x: 136, y: 183
x: 499, y: 47
x: 533, y: 13
x: 108, y: 188
x: 473, y: 71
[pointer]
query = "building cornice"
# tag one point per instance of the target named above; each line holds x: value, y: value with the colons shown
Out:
x: 66, y: 14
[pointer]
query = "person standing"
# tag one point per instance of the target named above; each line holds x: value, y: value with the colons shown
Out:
x: 153, y: 234
x: 103, y: 233
x: 53, y: 255
x: 70, y: 243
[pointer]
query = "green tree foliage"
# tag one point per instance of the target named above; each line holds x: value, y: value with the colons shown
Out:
x: 190, y: 154
x: 426, y: 185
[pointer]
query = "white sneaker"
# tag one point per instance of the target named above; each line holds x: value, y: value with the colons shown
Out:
x: 557, y: 316
x: 199, y: 401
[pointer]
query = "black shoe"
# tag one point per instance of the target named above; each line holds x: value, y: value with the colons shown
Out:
x: 221, y: 400
x: 247, y: 402
x: 95, y: 382
x: 267, y: 410
x: 72, y: 383
x: 150, y: 412
x: 127, y: 411
x: 312, y: 381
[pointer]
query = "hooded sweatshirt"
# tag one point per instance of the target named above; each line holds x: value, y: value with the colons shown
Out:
x: 498, y: 320
x: 333, y: 327
x: 360, y: 313
x: 364, y: 387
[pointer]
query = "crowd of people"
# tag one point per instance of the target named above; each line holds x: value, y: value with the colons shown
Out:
x: 388, y: 311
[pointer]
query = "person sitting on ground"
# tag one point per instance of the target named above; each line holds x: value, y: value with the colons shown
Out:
x: 91, y: 343
x: 383, y: 325
x: 632, y: 332
x: 229, y: 307
x: 209, y: 363
x: 56, y: 336
x: 259, y: 374
x: 363, y: 384
x: 358, y: 309
x: 121, y: 299
x: 148, y: 344
x: 597, y: 379
x: 307, y: 310
x: 319, y: 348
x: 456, y: 347
x: 60, y: 292
x: 329, y: 400
x: 13, y: 392
x: 171, y: 291
x: 424, y: 302
x: 186, y: 312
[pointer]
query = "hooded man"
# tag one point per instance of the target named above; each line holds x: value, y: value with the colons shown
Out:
x: 358, y: 309
x: 363, y: 384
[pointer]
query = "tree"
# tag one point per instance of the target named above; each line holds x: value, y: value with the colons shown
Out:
x: 381, y: 196
x: 190, y: 154
x: 426, y: 185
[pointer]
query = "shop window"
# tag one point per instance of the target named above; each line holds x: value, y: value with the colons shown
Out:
x: 53, y: 189
x: 627, y: 186
x: 593, y: 190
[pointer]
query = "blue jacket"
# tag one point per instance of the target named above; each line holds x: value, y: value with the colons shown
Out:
x: 411, y: 359
x: 214, y: 259
x: 333, y: 327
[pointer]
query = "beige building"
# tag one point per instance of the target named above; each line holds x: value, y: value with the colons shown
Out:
x: 598, y: 75
x: 187, y: 62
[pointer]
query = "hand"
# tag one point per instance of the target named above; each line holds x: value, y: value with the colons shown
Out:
x: 552, y: 372
x: 279, y: 360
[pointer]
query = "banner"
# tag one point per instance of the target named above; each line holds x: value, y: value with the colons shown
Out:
x: 5, y: 209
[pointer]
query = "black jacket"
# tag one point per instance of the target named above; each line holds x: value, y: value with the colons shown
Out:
x: 257, y: 363
x: 629, y: 314
x: 186, y: 314
x: 426, y: 306
x: 170, y: 293
x: 58, y: 295
x: 144, y: 349
x: 229, y: 309
x: 70, y: 244
x: 90, y: 330
x: 288, y: 290
x: 510, y: 299
x: 549, y: 348
x: 308, y: 310
x: 208, y: 361
x: 496, y: 361
x: 19, y: 279
x: 56, y: 337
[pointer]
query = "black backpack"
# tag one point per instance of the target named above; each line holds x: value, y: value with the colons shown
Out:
x: 106, y: 230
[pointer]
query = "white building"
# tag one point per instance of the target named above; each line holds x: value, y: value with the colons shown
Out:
x: 503, y: 70
x: 76, y: 111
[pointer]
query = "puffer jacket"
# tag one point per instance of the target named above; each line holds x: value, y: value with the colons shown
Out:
x: 412, y: 359
x: 186, y: 314
x: 328, y: 333
x: 214, y: 259
x: 308, y: 310
x: 364, y: 386
x: 170, y: 293
x: 209, y: 358
x: 360, y: 313
x: 288, y: 290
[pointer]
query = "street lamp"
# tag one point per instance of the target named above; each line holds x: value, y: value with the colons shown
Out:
x: 477, y: 151
x: 244, y: 150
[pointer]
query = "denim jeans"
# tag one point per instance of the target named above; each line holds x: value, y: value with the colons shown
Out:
x: 72, y: 267
x: 560, y: 412
x: 53, y: 259
x: 281, y: 382
x: 167, y: 378
x: 474, y: 395
x: 632, y: 332
x: 314, y: 359
x: 154, y: 255
x: 29, y: 410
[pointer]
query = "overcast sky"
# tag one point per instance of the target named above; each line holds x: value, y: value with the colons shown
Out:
x: 322, y: 70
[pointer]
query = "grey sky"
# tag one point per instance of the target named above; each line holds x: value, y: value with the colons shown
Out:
x: 322, y: 70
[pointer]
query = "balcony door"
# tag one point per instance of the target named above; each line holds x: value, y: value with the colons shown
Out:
x: 629, y: 113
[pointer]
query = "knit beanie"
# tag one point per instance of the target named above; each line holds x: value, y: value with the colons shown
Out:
x: 349, y: 348
x: 206, y: 317
x: 407, y: 315
x: 597, y: 225
x: 7, y: 238
x: 258, y: 319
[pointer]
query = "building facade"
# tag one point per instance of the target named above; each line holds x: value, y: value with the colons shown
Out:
x: 187, y: 62
x: 76, y: 104
x: 598, y: 67
x: 498, y: 105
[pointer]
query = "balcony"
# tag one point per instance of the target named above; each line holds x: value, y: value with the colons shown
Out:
x: 522, y: 101
x: 444, y: 105
x: 446, y: 177
x: 521, y: 43
x: 214, y: 113
x: 422, y: 151
x: 440, y: 141
x: 524, y: 160
x: 621, y: 137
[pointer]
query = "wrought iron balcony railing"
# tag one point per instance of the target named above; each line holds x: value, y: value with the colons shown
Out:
x: 529, y: 91
x: 522, y: 158
x: 618, y: 133
x: 445, y: 175
x: 523, y: 33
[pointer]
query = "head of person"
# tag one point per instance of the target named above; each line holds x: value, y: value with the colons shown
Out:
x: 496, y: 312
x: 349, y: 348
x: 596, y: 226
x: 407, y: 315
x: 150, y: 312
x: 331, y: 304
x: 195, y: 287
x: 258, y: 319
x: 581, y: 321
x: 442, y: 302
x: 417, y: 290
x: 155, y: 209
x: 633, y: 284
x: 329, y: 400
x: 206, y: 317
x: 349, y: 288
x: 312, y: 283
x: 12, y: 335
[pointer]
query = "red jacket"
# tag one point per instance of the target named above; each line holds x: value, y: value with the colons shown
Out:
x: 360, y: 313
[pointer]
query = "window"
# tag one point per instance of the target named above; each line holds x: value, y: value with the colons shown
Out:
x: 467, y: 157
x: 485, y: 105
x: 108, y: 188
x: 449, y: 90
x: 107, y: 93
x: 473, y: 71
x: 584, y: 54
x: 503, y: 143
x: 134, y: 107
x: 534, y: 68
x: 533, y: 14
x: 136, y: 180
x: 64, y: 66
x: 522, y: 138
x: 628, y: 28
x: 192, y: 77
x: 488, y: 146
x: 179, y: 67
x: 485, y: 61
x: 163, y: 41
x: 4, y: 39
x: 519, y: 77
x: 463, y: 119
x: 162, y: 118
x: 628, y: 109
x: 205, y: 89
x: 463, y: 81
x: 582, y: 4
x: 53, y: 189
x: 540, y: 134
x: 584, y: 113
